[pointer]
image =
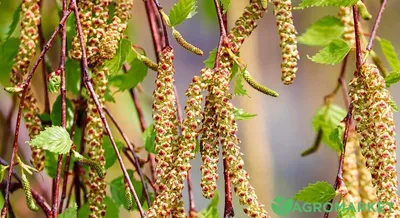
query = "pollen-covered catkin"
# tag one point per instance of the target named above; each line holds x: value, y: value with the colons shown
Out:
x: 346, y: 17
x: 94, y: 141
x: 164, y: 116
x: 287, y: 34
x: 376, y: 127
x: 115, y: 30
x: 30, y: 19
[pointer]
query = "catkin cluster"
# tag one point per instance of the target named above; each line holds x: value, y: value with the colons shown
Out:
x: 101, y: 42
x: 346, y: 17
x: 109, y: 43
x: 376, y: 127
x: 30, y: 19
x: 288, y: 41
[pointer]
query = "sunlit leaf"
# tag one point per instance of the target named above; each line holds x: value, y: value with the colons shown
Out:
x: 333, y: 53
x: 322, y: 32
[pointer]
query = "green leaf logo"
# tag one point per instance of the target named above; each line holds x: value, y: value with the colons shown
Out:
x: 282, y: 206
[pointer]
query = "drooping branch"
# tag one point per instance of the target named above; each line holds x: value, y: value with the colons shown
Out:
x: 93, y: 96
x: 376, y: 25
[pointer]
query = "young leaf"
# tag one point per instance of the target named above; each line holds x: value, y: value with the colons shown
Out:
x: 149, y: 136
x: 135, y: 75
x: 210, y: 61
x: 56, y: 113
x: 212, y: 210
x: 15, y: 21
x: 333, y: 53
x: 112, y: 210
x: 393, y: 104
x: 182, y: 10
x: 70, y: 212
x: 318, y: 192
x: 8, y: 51
x: 328, y: 118
x: 54, y: 139
x: 72, y: 76
x: 323, y: 3
x: 335, y: 138
x: 123, y: 51
x: 108, y: 95
x: 2, y: 171
x: 390, y: 53
x: 392, y: 78
x: 345, y: 212
x: 239, y: 88
x: 322, y: 32
x: 117, y: 189
x: 109, y: 152
x: 225, y: 4
x: 240, y: 114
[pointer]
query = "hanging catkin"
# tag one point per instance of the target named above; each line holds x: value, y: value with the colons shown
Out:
x: 30, y: 19
x: 346, y: 17
x: 376, y: 127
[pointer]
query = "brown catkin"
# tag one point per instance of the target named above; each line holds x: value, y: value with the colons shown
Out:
x: 376, y: 127
x: 30, y: 19
x: 288, y: 42
x: 165, y: 116
x: 94, y: 143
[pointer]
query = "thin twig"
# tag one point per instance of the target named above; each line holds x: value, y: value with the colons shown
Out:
x: 155, y: 26
x: 40, y: 200
x: 339, y: 176
x: 93, y: 96
x: 63, y: 110
x: 357, y: 36
x: 376, y: 25
x: 25, y: 86
x: 135, y: 156
x: 164, y: 26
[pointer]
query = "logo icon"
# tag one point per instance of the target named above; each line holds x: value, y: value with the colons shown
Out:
x: 282, y: 206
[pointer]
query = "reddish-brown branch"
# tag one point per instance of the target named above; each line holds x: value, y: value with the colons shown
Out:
x: 357, y: 36
x: 228, y: 209
x: 223, y: 23
x: 133, y: 152
x: 63, y: 111
x: 40, y: 200
x: 339, y: 175
x: 376, y: 25
x: 164, y: 26
x: 93, y: 96
x: 155, y: 26
x: 24, y: 86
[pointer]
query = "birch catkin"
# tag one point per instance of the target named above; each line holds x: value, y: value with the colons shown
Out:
x: 30, y: 19
x: 288, y: 41
x: 376, y: 127
x: 346, y: 17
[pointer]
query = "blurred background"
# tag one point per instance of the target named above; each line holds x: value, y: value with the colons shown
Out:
x: 271, y: 142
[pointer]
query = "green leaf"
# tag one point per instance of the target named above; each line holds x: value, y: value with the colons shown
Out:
x: 323, y: 3
x: 109, y: 152
x: 149, y: 136
x: 239, y: 88
x: 335, y: 138
x: 123, y: 51
x: 390, y: 53
x: 212, y: 209
x: 393, y: 104
x: 135, y: 75
x: 112, y: 210
x: 117, y: 189
x: 207, y: 12
x: 328, y: 118
x: 346, y: 212
x: 225, y: 4
x: 8, y: 51
x: 392, y: 78
x: 210, y: 61
x: 15, y: 21
x: 333, y: 53
x: 318, y: 192
x: 70, y: 32
x: 240, y: 114
x: 56, y: 113
x: 322, y: 32
x: 54, y: 139
x: 182, y: 10
x: 73, y: 76
x: 108, y: 95
x: 2, y: 171
x: 69, y: 212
